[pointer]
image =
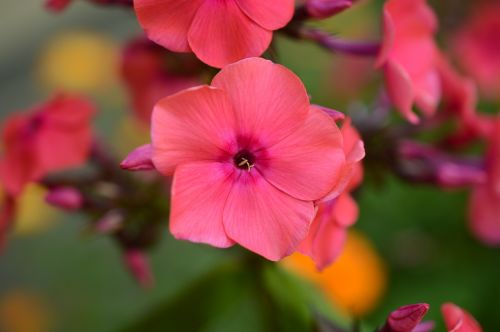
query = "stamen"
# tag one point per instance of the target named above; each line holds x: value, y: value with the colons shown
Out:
x: 244, y: 162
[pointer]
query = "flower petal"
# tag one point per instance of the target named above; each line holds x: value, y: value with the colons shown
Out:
x: 269, y: 100
x: 265, y: 220
x: 459, y: 320
x: 484, y: 215
x: 400, y: 89
x: 192, y: 125
x: 199, y: 193
x: 326, y: 238
x: 270, y: 15
x: 307, y: 163
x: 222, y: 34
x: 167, y: 22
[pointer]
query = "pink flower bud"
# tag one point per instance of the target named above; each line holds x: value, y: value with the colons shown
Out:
x: 326, y: 8
x: 457, y: 175
x: 139, y: 159
x: 138, y: 264
x: 406, y: 318
x: 66, y: 198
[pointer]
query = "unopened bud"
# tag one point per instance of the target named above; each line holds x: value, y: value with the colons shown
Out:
x: 138, y: 264
x: 139, y: 159
x: 406, y: 318
x: 325, y: 8
x: 67, y: 198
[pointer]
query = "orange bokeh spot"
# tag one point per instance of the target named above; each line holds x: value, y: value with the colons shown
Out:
x: 354, y: 283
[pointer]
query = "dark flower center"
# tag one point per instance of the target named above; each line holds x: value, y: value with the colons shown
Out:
x: 244, y: 160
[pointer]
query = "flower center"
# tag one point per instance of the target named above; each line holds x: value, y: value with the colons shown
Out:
x: 244, y: 160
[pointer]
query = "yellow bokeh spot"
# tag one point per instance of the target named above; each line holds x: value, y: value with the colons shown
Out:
x: 354, y: 283
x: 79, y: 61
x: 33, y: 214
x: 24, y: 312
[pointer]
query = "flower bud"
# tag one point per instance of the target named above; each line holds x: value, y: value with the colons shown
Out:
x: 66, y: 198
x: 326, y: 8
x: 406, y: 318
x: 138, y: 264
x: 139, y: 159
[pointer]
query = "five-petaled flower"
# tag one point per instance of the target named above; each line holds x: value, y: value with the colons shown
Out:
x: 219, y: 32
x: 250, y: 158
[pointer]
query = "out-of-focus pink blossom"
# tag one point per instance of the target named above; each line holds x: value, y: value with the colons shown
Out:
x: 326, y: 8
x: 477, y: 47
x: 67, y: 198
x: 138, y: 264
x: 50, y: 137
x: 145, y: 73
x: 408, y: 57
x: 485, y: 200
x: 406, y: 318
x: 250, y: 157
x: 328, y: 231
x: 459, y: 320
x: 218, y: 32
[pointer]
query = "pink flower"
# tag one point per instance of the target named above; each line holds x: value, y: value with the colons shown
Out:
x: 408, y: 57
x: 329, y: 229
x: 218, y: 32
x: 459, y: 320
x: 50, y: 137
x: 249, y: 156
x: 477, y: 46
x: 485, y: 200
x: 147, y: 79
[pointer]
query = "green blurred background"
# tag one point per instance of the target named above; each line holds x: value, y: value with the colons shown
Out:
x: 55, y: 274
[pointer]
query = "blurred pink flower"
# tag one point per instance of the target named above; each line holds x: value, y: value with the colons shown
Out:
x: 218, y: 32
x: 249, y: 155
x: 485, y: 200
x: 50, y: 137
x: 477, y: 46
x: 408, y: 57
x: 459, y: 320
x: 328, y: 231
x: 144, y: 71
